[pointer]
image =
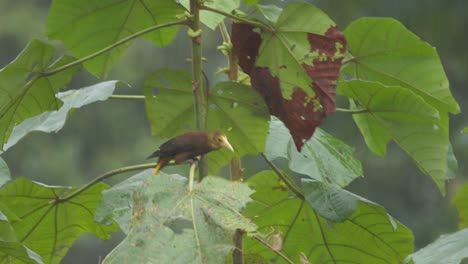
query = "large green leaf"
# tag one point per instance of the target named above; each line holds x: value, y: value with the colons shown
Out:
x: 209, y: 18
x: 234, y: 109
x: 369, y: 235
x: 25, y: 91
x: 11, y: 250
x: 47, y: 225
x: 385, y: 51
x: 53, y: 121
x: 88, y: 26
x: 461, y: 201
x: 448, y: 249
x: 4, y: 172
x: 399, y: 114
x: 323, y: 157
x: 170, y: 224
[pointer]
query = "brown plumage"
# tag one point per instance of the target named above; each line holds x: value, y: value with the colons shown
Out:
x: 188, y: 146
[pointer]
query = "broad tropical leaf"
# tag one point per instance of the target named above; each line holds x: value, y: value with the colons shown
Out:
x: 461, y: 201
x: 399, y: 114
x: 448, y: 249
x: 53, y: 121
x: 11, y: 250
x: 369, y: 235
x: 47, y: 225
x: 294, y: 65
x: 234, y: 109
x: 88, y: 26
x: 170, y: 224
x: 323, y: 157
x: 25, y: 91
x: 385, y: 51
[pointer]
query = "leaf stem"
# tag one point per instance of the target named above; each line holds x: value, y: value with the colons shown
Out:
x: 200, y: 92
x: 291, y: 185
x: 127, y: 97
x: 278, y: 252
x: 103, y: 177
x: 352, y: 111
x: 238, y: 18
x: 112, y: 46
x: 192, y: 175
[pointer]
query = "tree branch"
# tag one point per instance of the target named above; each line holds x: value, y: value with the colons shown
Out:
x: 103, y: 177
x: 127, y: 97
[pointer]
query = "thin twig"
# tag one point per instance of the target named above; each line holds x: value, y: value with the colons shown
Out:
x: 127, y: 97
x: 103, y: 177
x: 278, y: 252
x: 292, y: 186
x: 352, y: 111
x: 110, y: 47
x: 241, y: 19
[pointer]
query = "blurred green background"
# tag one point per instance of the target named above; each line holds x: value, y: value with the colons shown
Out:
x: 112, y: 134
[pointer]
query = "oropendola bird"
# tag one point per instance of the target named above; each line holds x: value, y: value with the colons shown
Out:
x: 188, y: 146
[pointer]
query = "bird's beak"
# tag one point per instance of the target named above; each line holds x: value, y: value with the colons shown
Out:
x: 226, y: 144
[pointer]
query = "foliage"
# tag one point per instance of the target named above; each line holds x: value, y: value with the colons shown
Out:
x: 293, y: 61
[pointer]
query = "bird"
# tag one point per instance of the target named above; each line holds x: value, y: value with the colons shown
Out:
x: 189, y: 146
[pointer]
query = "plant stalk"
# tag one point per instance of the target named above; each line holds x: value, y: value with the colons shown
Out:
x: 103, y: 177
x: 200, y: 92
x: 112, y: 46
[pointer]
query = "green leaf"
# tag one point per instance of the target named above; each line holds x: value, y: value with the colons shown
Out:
x: 385, y: 51
x: 25, y: 91
x: 4, y: 172
x: 209, y: 18
x: 448, y: 249
x: 49, y: 226
x: 329, y: 201
x: 465, y: 130
x: 115, y: 205
x: 399, y: 114
x: 461, y: 201
x: 323, y: 157
x: 288, y: 44
x: 53, y: 121
x: 169, y: 224
x: 88, y: 26
x: 11, y: 250
x: 369, y: 235
x: 234, y: 109
x: 271, y: 12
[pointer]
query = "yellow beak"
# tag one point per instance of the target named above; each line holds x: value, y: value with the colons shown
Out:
x: 226, y: 144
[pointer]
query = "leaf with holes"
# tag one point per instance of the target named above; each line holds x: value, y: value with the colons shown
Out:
x: 399, y: 114
x: 25, y: 91
x: 88, y: 26
x: 170, y: 224
x: 53, y: 121
x: 448, y: 249
x: 385, y: 51
x: 369, y: 235
x: 47, y: 226
x: 294, y: 66
x: 323, y: 157
x: 461, y: 202
x: 235, y: 109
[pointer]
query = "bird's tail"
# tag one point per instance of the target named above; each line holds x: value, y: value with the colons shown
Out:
x: 154, y: 155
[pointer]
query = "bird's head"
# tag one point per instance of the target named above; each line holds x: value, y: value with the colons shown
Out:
x: 219, y: 140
